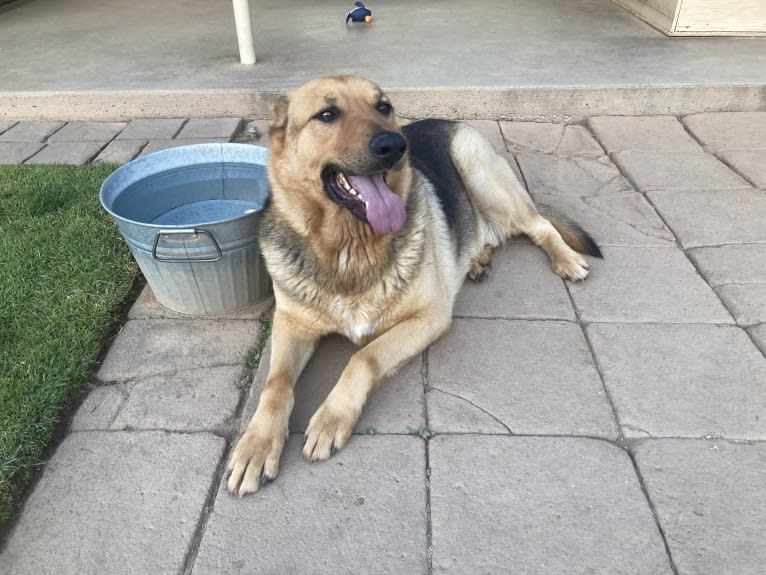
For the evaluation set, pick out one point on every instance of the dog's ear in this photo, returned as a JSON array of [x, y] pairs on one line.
[[278, 118]]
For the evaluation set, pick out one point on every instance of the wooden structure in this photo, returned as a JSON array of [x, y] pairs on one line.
[[702, 17]]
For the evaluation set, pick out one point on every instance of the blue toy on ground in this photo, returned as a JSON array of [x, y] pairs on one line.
[[359, 14]]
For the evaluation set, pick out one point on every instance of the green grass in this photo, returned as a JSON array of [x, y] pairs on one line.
[[64, 270], [421, 431], [254, 356]]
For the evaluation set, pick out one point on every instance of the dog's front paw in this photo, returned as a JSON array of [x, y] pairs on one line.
[[255, 460], [328, 431]]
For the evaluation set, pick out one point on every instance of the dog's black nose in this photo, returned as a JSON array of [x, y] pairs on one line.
[[388, 146]]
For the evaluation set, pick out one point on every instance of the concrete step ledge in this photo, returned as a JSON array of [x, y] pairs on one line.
[[540, 103]]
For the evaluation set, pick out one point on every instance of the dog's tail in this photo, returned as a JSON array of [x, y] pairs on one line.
[[574, 236]]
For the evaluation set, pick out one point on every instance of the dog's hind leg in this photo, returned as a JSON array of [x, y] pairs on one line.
[[504, 208], [565, 261], [481, 266]]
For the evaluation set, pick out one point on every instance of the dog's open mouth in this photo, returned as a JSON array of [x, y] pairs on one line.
[[367, 197]]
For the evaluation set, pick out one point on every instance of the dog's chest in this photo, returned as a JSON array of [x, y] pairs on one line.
[[361, 331], [354, 320]]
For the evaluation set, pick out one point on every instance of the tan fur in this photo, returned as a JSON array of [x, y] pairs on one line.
[[506, 207], [392, 294]]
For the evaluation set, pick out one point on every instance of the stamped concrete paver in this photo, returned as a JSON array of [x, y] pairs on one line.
[[151, 129], [738, 274], [6, 125], [747, 303], [99, 409], [120, 151], [751, 164], [30, 131], [683, 380], [115, 503], [710, 502], [526, 136], [759, 336], [642, 133], [578, 141], [531, 377], [196, 400], [197, 128], [583, 183], [614, 219], [88, 132], [651, 284], [714, 217], [522, 286], [452, 412], [539, 505], [658, 171], [156, 347], [579, 176], [657, 153], [60, 152], [363, 511], [729, 130], [17, 152], [741, 264]]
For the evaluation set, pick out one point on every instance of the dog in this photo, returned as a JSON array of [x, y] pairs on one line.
[[369, 232]]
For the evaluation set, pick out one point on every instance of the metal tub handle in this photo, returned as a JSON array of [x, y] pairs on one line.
[[195, 233]]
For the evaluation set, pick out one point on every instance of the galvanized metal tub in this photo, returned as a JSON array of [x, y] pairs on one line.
[[190, 216]]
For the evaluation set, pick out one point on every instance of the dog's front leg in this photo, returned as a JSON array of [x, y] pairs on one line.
[[332, 424], [255, 460]]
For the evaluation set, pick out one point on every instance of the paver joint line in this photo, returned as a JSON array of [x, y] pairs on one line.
[[652, 508], [594, 358], [199, 531], [217, 479]]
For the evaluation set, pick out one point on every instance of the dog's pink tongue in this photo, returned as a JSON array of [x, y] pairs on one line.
[[385, 210]]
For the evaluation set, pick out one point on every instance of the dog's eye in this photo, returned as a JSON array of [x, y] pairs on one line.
[[328, 115], [384, 108]]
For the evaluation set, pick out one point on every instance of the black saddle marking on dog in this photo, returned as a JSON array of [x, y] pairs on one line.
[[428, 142]]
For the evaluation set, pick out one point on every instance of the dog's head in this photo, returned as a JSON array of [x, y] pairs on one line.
[[336, 149]]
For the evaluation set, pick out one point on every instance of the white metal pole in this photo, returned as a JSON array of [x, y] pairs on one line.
[[244, 31]]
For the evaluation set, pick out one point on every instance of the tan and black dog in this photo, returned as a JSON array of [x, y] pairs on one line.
[[369, 232]]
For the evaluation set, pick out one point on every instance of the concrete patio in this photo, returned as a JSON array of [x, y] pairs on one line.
[[612, 426], [528, 59]]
